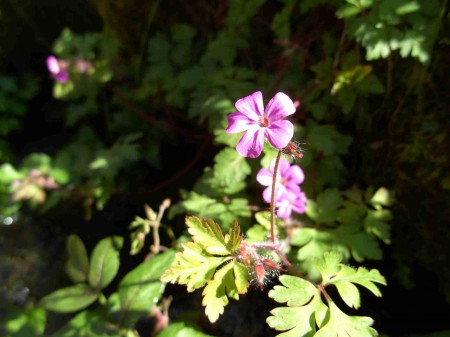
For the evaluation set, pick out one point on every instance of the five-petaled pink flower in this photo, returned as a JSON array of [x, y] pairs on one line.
[[58, 69], [288, 195], [259, 123]]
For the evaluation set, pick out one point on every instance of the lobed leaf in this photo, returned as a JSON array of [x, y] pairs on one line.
[[208, 234], [342, 325], [305, 310], [192, 267], [344, 278]]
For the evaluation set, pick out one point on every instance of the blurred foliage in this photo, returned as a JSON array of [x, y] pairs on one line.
[[145, 108]]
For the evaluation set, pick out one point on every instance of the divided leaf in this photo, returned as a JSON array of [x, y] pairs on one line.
[[208, 234], [305, 310], [306, 314], [345, 278], [210, 261], [342, 325]]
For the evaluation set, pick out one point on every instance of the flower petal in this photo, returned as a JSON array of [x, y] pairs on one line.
[[295, 175], [284, 210], [238, 122], [251, 143], [252, 106], [264, 177], [53, 64], [283, 168], [280, 133], [279, 107], [62, 76]]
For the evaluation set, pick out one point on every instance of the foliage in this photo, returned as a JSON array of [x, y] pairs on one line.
[[143, 113]]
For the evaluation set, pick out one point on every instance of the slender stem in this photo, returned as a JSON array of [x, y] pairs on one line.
[[272, 199]]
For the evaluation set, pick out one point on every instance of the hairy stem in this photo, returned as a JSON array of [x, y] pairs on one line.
[[272, 199]]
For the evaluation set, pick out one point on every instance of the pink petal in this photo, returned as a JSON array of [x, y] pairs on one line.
[[62, 76], [264, 177], [251, 143], [252, 106], [299, 205], [279, 107], [284, 209], [238, 122], [53, 64], [280, 133], [295, 175], [283, 168]]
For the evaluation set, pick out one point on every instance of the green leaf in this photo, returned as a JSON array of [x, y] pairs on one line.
[[69, 299], [325, 208], [105, 262], [179, 329], [229, 172], [29, 321], [77, 266], [376, 223], [344, 278], [341, 325], [229, 281], [88, 324], [141, 288], [193, 267], [305, 308], [207, 233], [210, 260]]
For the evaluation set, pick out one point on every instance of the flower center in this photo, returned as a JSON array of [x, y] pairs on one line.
[[263, 122]]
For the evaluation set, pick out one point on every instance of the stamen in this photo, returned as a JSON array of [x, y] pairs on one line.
[[263, 122]]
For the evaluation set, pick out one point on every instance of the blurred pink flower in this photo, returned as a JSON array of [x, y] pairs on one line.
[[259, 123], [58, 69], [289, 179], [288, 194], [291, 202]]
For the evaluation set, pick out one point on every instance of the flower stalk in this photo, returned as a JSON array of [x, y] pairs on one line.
[[272, 200]]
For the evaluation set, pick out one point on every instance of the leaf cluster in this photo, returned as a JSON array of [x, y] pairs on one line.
[[209, 261], [308, 314]]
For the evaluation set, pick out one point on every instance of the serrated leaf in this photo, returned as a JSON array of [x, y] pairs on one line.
[[192, 267], [141, 288], [342, 325], [229, 172], [105, 262], [305, 308], [224, 285], [77, 266], [70, 299], [233, 238], [210, 260], [208, 234]]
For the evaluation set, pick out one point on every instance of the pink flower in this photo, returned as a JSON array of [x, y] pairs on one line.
[[259, 123], [291, 202], [289, 179], [58, 69], [288, 195]]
